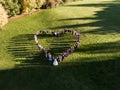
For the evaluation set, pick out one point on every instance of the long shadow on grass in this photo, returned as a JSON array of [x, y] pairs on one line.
[[94, 75], [106, 4], [24, 50], [26, 53], [100, 48], [108, 19], [102, 75]]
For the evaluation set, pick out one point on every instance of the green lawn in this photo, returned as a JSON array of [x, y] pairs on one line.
[[94, 65]]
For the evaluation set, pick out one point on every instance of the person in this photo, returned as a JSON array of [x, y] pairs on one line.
[[59, 58], [55, 62], [43, 32], [39, 46], [37, 33], [49, 56], [78, 43], [68, 52], [58, 34], [72, 48], [61, 32], [44, 51], [64, 55], [69, 31], [54, 33], [65, 30], [36, 40], [75, 46], [73, 32]]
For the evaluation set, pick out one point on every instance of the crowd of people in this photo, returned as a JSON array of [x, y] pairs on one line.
[[61, 57]]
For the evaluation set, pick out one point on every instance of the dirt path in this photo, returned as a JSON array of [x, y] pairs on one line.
[[23, 14]]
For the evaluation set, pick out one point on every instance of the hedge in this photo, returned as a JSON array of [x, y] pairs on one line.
[[15, 7]]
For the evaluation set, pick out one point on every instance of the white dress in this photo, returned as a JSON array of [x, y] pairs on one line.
[[55, 62]]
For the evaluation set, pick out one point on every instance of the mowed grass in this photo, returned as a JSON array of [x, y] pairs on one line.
[[93, 66]]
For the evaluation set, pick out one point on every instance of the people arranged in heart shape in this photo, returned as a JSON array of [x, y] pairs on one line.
[[61, 57]]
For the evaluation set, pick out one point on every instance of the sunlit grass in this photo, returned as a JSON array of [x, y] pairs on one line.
[[93, 66], [74, 15]]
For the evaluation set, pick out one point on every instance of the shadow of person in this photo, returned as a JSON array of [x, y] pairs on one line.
[[25, 52]]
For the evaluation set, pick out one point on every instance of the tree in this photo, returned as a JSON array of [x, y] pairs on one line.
[[3, 17]]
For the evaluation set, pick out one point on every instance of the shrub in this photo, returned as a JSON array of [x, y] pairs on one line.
[[3, 16], [69, 0], [52, 3], [27, 5], [39, 3], [11, 6], [59, 2], [30, 5]]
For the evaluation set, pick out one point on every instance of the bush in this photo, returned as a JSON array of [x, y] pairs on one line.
[[3, 16], [27, 5], [39, 3], [52, 3], [59, 2], [11, 6], [69, 0], [30, 5], [15, 7]]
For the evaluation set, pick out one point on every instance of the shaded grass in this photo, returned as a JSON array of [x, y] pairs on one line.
[[93, 66], [85, 76], [57, 45]]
